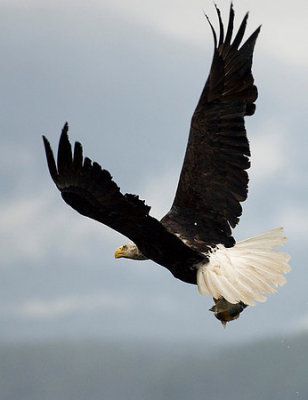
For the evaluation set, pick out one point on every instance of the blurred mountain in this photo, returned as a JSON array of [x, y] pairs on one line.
[[267, 370]]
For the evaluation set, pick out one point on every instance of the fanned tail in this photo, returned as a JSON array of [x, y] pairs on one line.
[[246, 272]]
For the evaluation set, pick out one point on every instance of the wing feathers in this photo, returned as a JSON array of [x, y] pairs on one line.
[[65, 152], [239, 36], [91, 191], [213, 179], [50, 160], [221, 26], [77, 177], [230, 26], [213, 30], [78, 157]]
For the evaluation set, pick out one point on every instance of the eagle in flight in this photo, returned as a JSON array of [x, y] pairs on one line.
[[194, 239]]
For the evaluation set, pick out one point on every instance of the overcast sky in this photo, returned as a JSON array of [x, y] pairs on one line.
[[127, 76]]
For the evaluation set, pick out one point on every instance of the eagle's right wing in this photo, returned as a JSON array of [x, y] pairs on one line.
[[214, 180]]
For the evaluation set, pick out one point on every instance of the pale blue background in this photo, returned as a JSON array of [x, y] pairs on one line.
[[127, 78]]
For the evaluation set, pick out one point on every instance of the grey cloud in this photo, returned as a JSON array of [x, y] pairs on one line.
[[128, 92]]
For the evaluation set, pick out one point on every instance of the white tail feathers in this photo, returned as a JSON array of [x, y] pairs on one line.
[[246, 271]]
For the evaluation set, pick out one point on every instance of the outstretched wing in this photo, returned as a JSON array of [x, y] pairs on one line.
[[90, 190], [213, 179]]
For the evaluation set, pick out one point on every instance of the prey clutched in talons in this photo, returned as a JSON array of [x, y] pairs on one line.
[[225, 311]]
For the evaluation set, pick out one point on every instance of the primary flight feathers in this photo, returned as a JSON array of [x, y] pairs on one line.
[[194, 239]]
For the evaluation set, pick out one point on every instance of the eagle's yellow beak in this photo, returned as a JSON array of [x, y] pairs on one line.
[[118, 253]]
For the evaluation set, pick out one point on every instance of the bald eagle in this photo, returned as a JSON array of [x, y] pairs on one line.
[[194, 239]]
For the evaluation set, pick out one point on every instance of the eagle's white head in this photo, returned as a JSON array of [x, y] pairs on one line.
[[129, 250]]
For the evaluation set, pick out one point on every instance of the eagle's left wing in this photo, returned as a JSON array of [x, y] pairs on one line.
[[90, 190]]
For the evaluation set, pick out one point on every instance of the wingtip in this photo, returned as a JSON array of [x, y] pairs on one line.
[[212, 28], [64, 139], [221, 26], [64, 159], [257, 31], [230, 25], [45, 141], [251, 41], [241, 31], [50, 159], [65, 128]]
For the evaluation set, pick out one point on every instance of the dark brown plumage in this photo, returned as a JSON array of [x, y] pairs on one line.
[[213, 180]]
